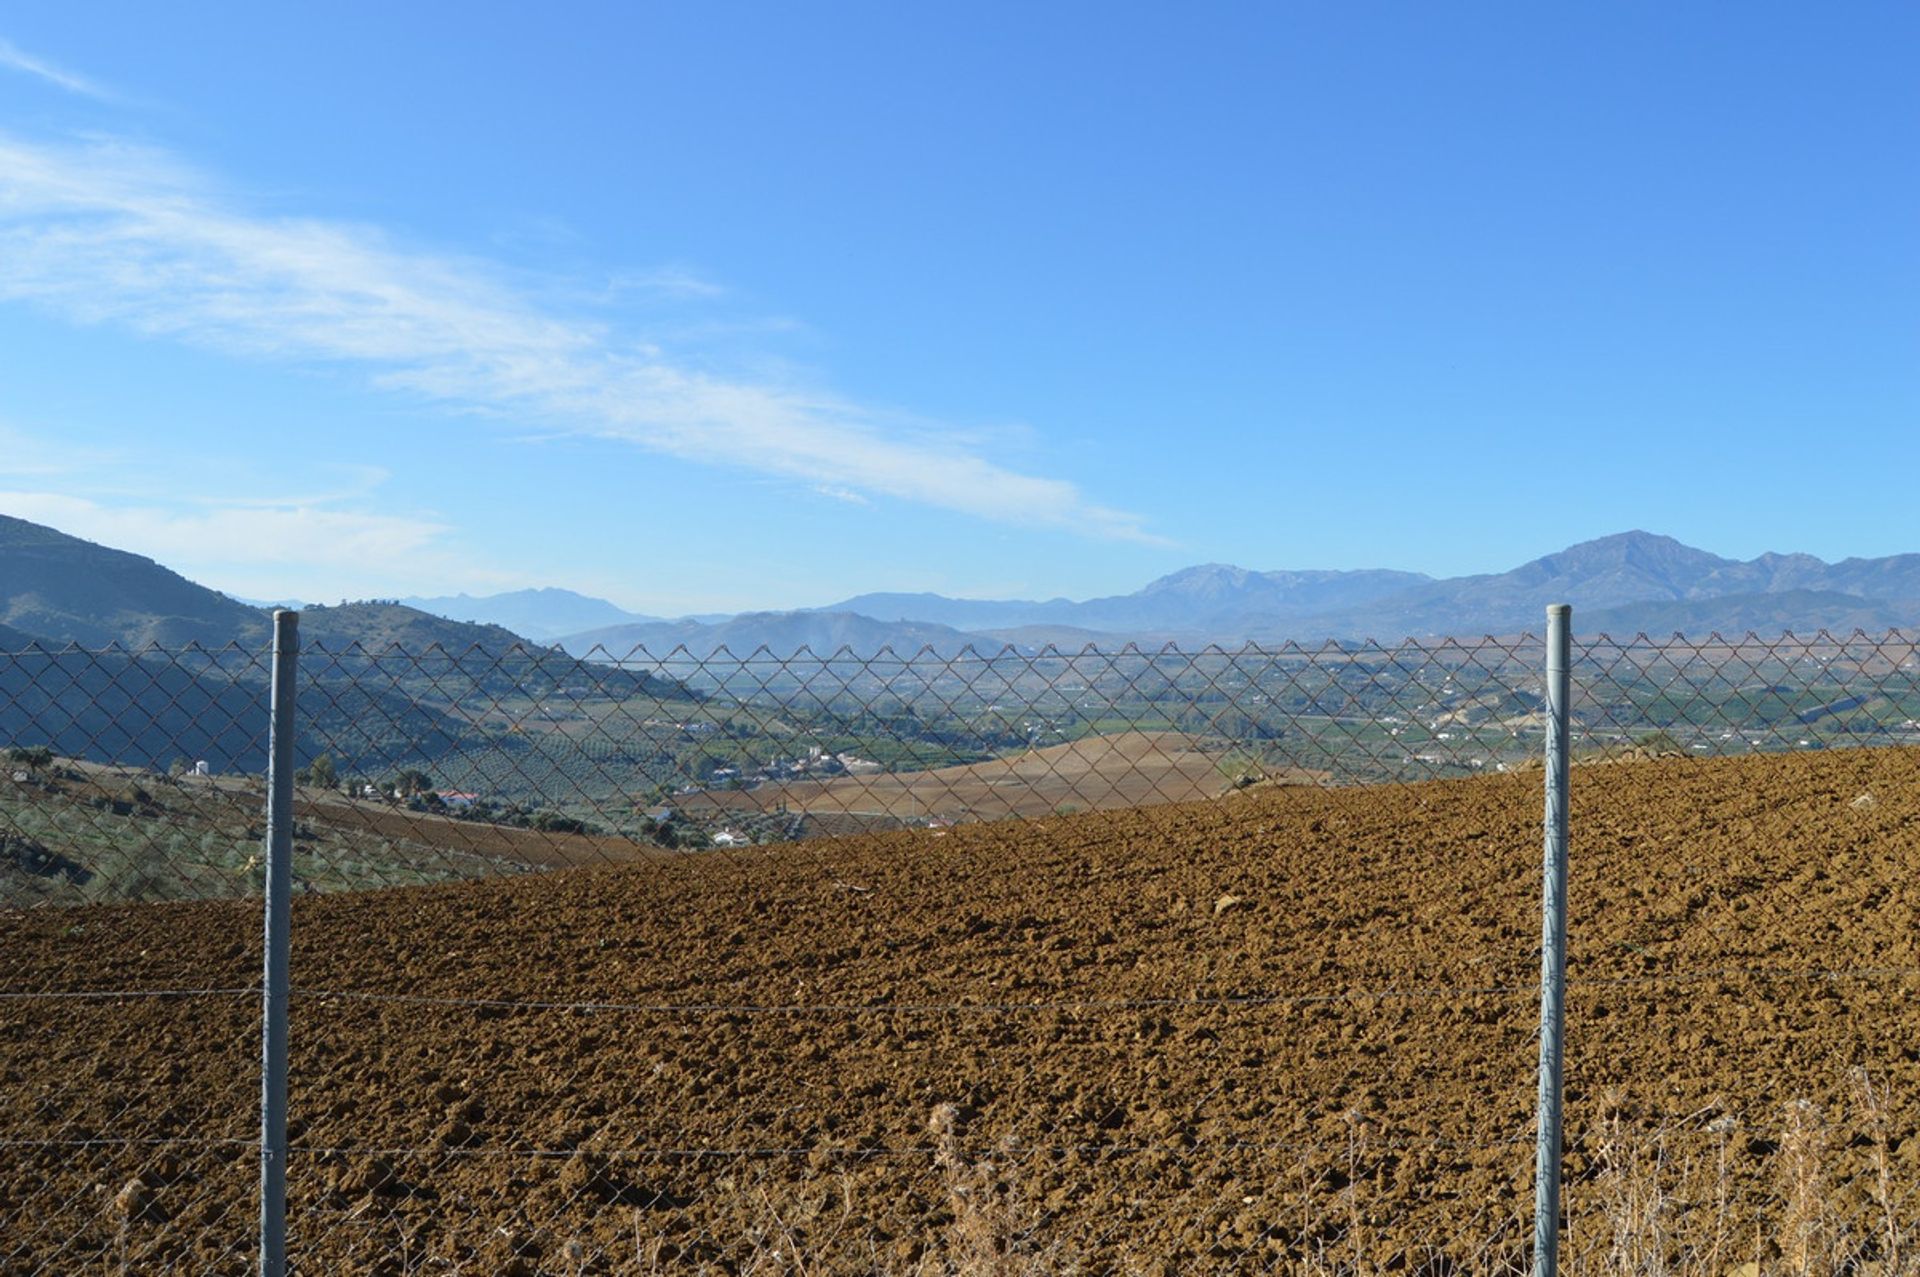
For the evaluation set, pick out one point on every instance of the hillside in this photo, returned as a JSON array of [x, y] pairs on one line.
[[62, 589], [1289, 1031], [377, 625], [453, 667], [1061, 638], [143, 710], [392, 685], [12, 640]]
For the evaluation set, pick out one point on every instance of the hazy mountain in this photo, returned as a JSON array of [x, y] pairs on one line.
[[1895, 577], [65, 590], [961, 614], [1614, 572], [1193, 601], [1065, 638], [1651, 566], [782, 633], [1628, 582], [544, 614], [1733, 615], [1217, 598]]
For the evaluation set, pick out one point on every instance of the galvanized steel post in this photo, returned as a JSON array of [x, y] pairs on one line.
[[1553, 950], [279, 910]]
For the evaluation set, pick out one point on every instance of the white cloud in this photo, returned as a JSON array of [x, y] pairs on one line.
[[256, 534], [107, 233], [262, 550], [847, 495], [356, 481], [15, 59], [666, 281]]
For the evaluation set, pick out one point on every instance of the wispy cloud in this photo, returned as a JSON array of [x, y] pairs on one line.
[[257, 534], [318, 542], [15, 59], [24, 455], [665, 281], [265, 550], [104, 232], [357, 481]]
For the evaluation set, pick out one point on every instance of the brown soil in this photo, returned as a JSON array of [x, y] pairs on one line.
[[1283, 1029]]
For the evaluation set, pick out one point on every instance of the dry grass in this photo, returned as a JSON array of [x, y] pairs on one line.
[[1669, 1203], [1665, 1202], [993, 1231]]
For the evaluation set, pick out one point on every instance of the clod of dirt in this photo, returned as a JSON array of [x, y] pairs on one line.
[[1865, 802], [364, 1179], [135, 1201], [1226, 903]]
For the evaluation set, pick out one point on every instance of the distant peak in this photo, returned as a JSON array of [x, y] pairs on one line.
[[1202, 572], [1636, 537], [1635, 546]]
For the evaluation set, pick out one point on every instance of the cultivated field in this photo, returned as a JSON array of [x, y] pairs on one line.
[[1100, 773], [1291, 1029]]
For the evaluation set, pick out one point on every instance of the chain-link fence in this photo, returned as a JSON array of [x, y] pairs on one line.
[[1148, 961]]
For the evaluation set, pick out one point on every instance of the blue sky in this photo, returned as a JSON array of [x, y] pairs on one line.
[[703, 307]]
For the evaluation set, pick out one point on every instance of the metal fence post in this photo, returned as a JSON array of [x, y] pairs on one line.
[[273, 1038], [1553, 950]]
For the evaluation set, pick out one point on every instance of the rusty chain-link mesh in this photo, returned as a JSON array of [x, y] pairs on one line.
[[1146, 961]]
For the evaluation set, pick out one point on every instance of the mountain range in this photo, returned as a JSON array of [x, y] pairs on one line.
[[1218, 592], [1627, 582], [58, 589]]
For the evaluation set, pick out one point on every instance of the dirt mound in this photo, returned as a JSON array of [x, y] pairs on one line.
[[1047, 1040]]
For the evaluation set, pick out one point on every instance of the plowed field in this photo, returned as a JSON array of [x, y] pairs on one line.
[[1289, 1029]]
